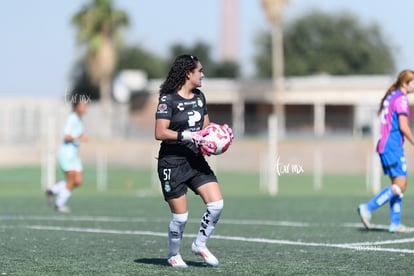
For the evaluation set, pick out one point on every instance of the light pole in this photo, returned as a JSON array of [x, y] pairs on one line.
[[273, 10], [276, 122]]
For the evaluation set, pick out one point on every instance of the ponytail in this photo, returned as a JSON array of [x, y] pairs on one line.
[[404, 77], [393, 87]]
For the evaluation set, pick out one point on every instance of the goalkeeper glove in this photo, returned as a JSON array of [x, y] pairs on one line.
[[230, 131], [207, 148], [196, 137]]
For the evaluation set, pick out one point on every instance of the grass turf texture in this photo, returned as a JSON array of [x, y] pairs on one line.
[[122, 231]]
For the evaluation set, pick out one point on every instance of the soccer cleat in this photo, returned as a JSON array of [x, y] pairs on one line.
[[205, 253], [365, 215], [62, 209], [397, 228], [177, 261], [50, 196]]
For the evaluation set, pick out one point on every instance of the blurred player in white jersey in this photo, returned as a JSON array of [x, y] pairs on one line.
[[68, 158]]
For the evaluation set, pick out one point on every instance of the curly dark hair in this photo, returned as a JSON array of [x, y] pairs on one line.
[[176, 78]]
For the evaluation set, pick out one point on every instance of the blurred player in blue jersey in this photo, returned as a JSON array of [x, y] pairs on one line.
[[68, 158], [181, 118], [394, 114]]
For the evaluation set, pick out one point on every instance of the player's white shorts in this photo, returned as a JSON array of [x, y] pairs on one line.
[[69, 161]]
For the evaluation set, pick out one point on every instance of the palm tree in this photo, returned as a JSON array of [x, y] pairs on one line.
[[98, 26]]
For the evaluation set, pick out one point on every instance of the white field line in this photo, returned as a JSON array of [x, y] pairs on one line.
[[408, 240], [367, 246], [222, 221], [374, 226], [126, 219], [263, 222]]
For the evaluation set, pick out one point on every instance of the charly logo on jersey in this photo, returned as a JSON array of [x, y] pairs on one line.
[[180, 106], [199, 102]]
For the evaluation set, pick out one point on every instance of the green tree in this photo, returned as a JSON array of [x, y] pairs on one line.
[[98, 26], [134, 57], [82, 82], [200, 49], [337, 44], [212, 69], [225, 69]]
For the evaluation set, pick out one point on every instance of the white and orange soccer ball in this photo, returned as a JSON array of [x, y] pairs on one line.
[[218, 137]]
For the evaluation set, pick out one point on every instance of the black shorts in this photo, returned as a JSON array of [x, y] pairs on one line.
[[177, 173]]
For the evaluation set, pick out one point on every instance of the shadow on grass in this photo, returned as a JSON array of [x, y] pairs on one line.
[[373, 229], [163, 262]]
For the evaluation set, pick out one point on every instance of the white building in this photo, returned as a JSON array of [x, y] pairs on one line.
[[314, 105]]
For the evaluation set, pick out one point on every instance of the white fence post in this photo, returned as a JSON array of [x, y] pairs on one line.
[[101, 171], [49, 158], [273, 185], [376, 170]]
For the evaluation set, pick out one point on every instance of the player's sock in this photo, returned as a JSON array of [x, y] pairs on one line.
[[175, 232], [209, 221], [58, 187], [380, 199], [63, 197], [395, 210]]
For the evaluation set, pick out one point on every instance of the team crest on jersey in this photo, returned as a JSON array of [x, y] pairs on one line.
[[162, 108], [199, 102], [167, 187]]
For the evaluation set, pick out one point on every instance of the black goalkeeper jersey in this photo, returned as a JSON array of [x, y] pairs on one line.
[[184, 114]]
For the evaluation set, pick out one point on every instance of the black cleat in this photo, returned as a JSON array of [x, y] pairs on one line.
[[50, 196]]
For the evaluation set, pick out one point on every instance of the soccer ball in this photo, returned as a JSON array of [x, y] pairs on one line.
[[219, 137]]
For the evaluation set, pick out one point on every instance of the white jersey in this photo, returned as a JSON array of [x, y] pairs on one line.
[[73, 127]]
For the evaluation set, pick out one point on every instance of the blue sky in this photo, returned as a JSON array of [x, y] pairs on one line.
[[38, 45]]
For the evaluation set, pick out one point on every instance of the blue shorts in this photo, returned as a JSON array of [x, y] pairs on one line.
[[394, 163]]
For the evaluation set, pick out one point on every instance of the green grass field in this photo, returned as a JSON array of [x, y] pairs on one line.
[[122, 231]]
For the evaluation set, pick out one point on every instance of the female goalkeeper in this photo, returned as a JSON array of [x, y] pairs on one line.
[[394, 113], [181, 117]]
